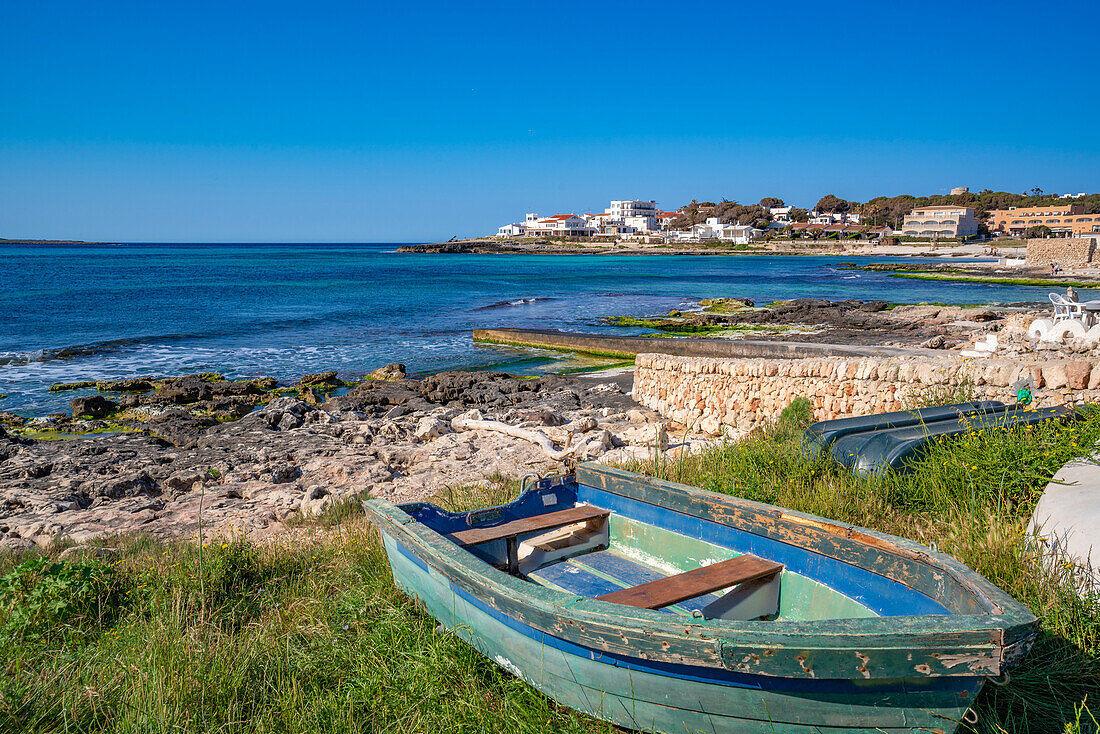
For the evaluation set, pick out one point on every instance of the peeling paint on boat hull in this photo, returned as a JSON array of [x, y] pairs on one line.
[[652, 697]]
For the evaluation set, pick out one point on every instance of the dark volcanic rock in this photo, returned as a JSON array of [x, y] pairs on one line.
[[184, 390], [493, 389], [393, 371], [284, 474], [367, 396], [128, 485], [135, 384], [93, 406], [179, 427], [11, 419], [322, 379]]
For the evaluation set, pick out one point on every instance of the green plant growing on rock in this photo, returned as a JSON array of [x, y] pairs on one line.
[[963, 390]]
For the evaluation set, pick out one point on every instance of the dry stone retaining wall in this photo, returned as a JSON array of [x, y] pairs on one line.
[[1066, 251], [712, 394]]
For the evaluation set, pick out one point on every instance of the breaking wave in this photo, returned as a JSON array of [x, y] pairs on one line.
[[517, 302]]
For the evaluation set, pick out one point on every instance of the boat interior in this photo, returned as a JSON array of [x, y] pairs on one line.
[[592, 543]]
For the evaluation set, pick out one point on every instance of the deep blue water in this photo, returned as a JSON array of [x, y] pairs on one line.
[[81, 312]]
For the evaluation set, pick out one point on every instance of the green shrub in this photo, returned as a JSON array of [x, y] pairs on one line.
[[797, 415], [43, 598]]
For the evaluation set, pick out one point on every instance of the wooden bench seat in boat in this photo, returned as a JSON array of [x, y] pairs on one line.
[[671, 590], [510, 531], [606, 572]]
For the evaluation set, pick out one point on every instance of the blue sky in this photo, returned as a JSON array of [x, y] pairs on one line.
[[320, 121]]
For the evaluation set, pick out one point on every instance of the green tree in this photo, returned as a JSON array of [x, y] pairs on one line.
[[799, 215], [1039, 230], [833, 203], [771, 201]]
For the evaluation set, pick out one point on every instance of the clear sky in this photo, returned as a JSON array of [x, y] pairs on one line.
[[411, 121]]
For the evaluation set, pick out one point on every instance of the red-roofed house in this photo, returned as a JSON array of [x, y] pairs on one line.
[[663, 218], [562, 225]]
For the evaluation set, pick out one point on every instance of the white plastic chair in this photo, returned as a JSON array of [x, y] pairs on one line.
[[1067, 309]]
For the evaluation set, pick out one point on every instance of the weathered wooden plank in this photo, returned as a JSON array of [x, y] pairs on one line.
[[631, 573], [548, 521], [885, 596], [690, 584], [955, 645]]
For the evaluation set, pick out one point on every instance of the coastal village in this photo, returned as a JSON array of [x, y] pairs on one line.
[[643, 221]]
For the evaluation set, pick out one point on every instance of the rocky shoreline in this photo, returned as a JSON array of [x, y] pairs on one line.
[[244, 456], [157, 454], [848, 322]]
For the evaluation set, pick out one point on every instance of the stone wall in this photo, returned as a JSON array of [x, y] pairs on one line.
[[1066, 251], [714, 394]]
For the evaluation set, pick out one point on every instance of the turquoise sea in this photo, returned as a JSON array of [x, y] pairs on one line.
[[108, 311]]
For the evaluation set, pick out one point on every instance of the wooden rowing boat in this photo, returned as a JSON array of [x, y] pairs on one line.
[[663, 607]]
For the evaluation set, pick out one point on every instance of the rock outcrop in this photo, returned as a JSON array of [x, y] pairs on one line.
[[292, 456]]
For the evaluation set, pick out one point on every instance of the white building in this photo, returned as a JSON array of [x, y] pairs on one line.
[[714, 229], [709, 230], [512, 230], [561, 225], [665, 218], [780, 213], [640, 224], [738, 234], [834, 217], [620, 211]]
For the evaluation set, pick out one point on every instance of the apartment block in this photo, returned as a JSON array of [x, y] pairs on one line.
[[1065, 219], [940, 221]]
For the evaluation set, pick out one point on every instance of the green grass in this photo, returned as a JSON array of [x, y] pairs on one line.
[[61, 387], [676, 326], [309, 634], [1044, 282], [724, 306], [972, 497]]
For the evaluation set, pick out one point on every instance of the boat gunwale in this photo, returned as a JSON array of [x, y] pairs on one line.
[[992, 599], [914, 646]]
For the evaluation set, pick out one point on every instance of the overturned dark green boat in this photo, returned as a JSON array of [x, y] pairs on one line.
[[667, 608]]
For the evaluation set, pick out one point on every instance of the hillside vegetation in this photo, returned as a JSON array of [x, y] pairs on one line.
[[879, 210]]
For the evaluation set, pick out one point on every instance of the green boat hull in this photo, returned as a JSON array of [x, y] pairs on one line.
[[673, 700]]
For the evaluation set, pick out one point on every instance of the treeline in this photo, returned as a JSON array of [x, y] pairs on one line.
[[881, 210], [891, 210], [730, 212]]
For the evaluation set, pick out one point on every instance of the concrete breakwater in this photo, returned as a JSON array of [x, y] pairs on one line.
[[740, 394], [629, 346]]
